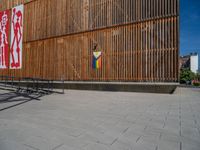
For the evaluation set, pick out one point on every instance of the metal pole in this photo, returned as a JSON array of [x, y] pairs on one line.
[[19, 85], [63, 82]]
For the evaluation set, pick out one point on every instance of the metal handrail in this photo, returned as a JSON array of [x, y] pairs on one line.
[[35, 85]]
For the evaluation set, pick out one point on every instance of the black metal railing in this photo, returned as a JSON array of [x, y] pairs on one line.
[[29, 85]]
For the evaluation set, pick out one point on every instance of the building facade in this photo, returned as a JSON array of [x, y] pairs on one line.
[[190, 61], [194, 63], [132, 40]]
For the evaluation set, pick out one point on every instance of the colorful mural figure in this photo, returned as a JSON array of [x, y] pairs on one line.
[[97, 60], [16, 37], [4, 29]]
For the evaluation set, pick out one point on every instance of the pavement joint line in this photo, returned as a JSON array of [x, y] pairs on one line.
[[125, 130], [138, 139], [180, 145], [160, 136], [75, 136], [164, 125], [58, 146], [99, 142], [31, 147], [114, 141]]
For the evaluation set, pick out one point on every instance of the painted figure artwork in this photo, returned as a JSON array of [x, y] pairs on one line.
[[16, 37], [4, 47], [97, 60]]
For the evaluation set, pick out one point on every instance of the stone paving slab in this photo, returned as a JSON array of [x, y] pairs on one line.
[[91, 120]]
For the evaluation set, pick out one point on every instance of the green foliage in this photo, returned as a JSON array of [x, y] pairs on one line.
[[196, 84], [186, 75], [198, 76]]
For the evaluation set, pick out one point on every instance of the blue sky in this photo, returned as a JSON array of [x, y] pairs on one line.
[[189, 26]]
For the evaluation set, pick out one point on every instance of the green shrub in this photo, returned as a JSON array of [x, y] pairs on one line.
[[196, 83], [186, 75]]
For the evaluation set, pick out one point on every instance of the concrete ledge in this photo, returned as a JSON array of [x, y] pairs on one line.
[[123, 87], [144, 87]]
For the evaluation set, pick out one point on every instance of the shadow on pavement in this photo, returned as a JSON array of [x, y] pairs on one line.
[[14, 97]]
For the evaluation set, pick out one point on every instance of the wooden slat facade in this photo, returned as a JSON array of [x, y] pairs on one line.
[[139, 39]]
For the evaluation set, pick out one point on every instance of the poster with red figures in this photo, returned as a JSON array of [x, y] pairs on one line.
[[16, 37], [4, 47]]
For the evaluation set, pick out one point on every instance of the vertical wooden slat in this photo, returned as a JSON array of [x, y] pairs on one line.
[[139, 39]]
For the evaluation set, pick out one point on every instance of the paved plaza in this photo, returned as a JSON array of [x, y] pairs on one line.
[[91, 120]]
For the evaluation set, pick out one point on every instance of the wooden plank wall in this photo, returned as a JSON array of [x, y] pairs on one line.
[[139, 39]]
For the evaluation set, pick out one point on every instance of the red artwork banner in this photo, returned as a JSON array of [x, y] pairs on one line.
[[16, 37], [4, 47]]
